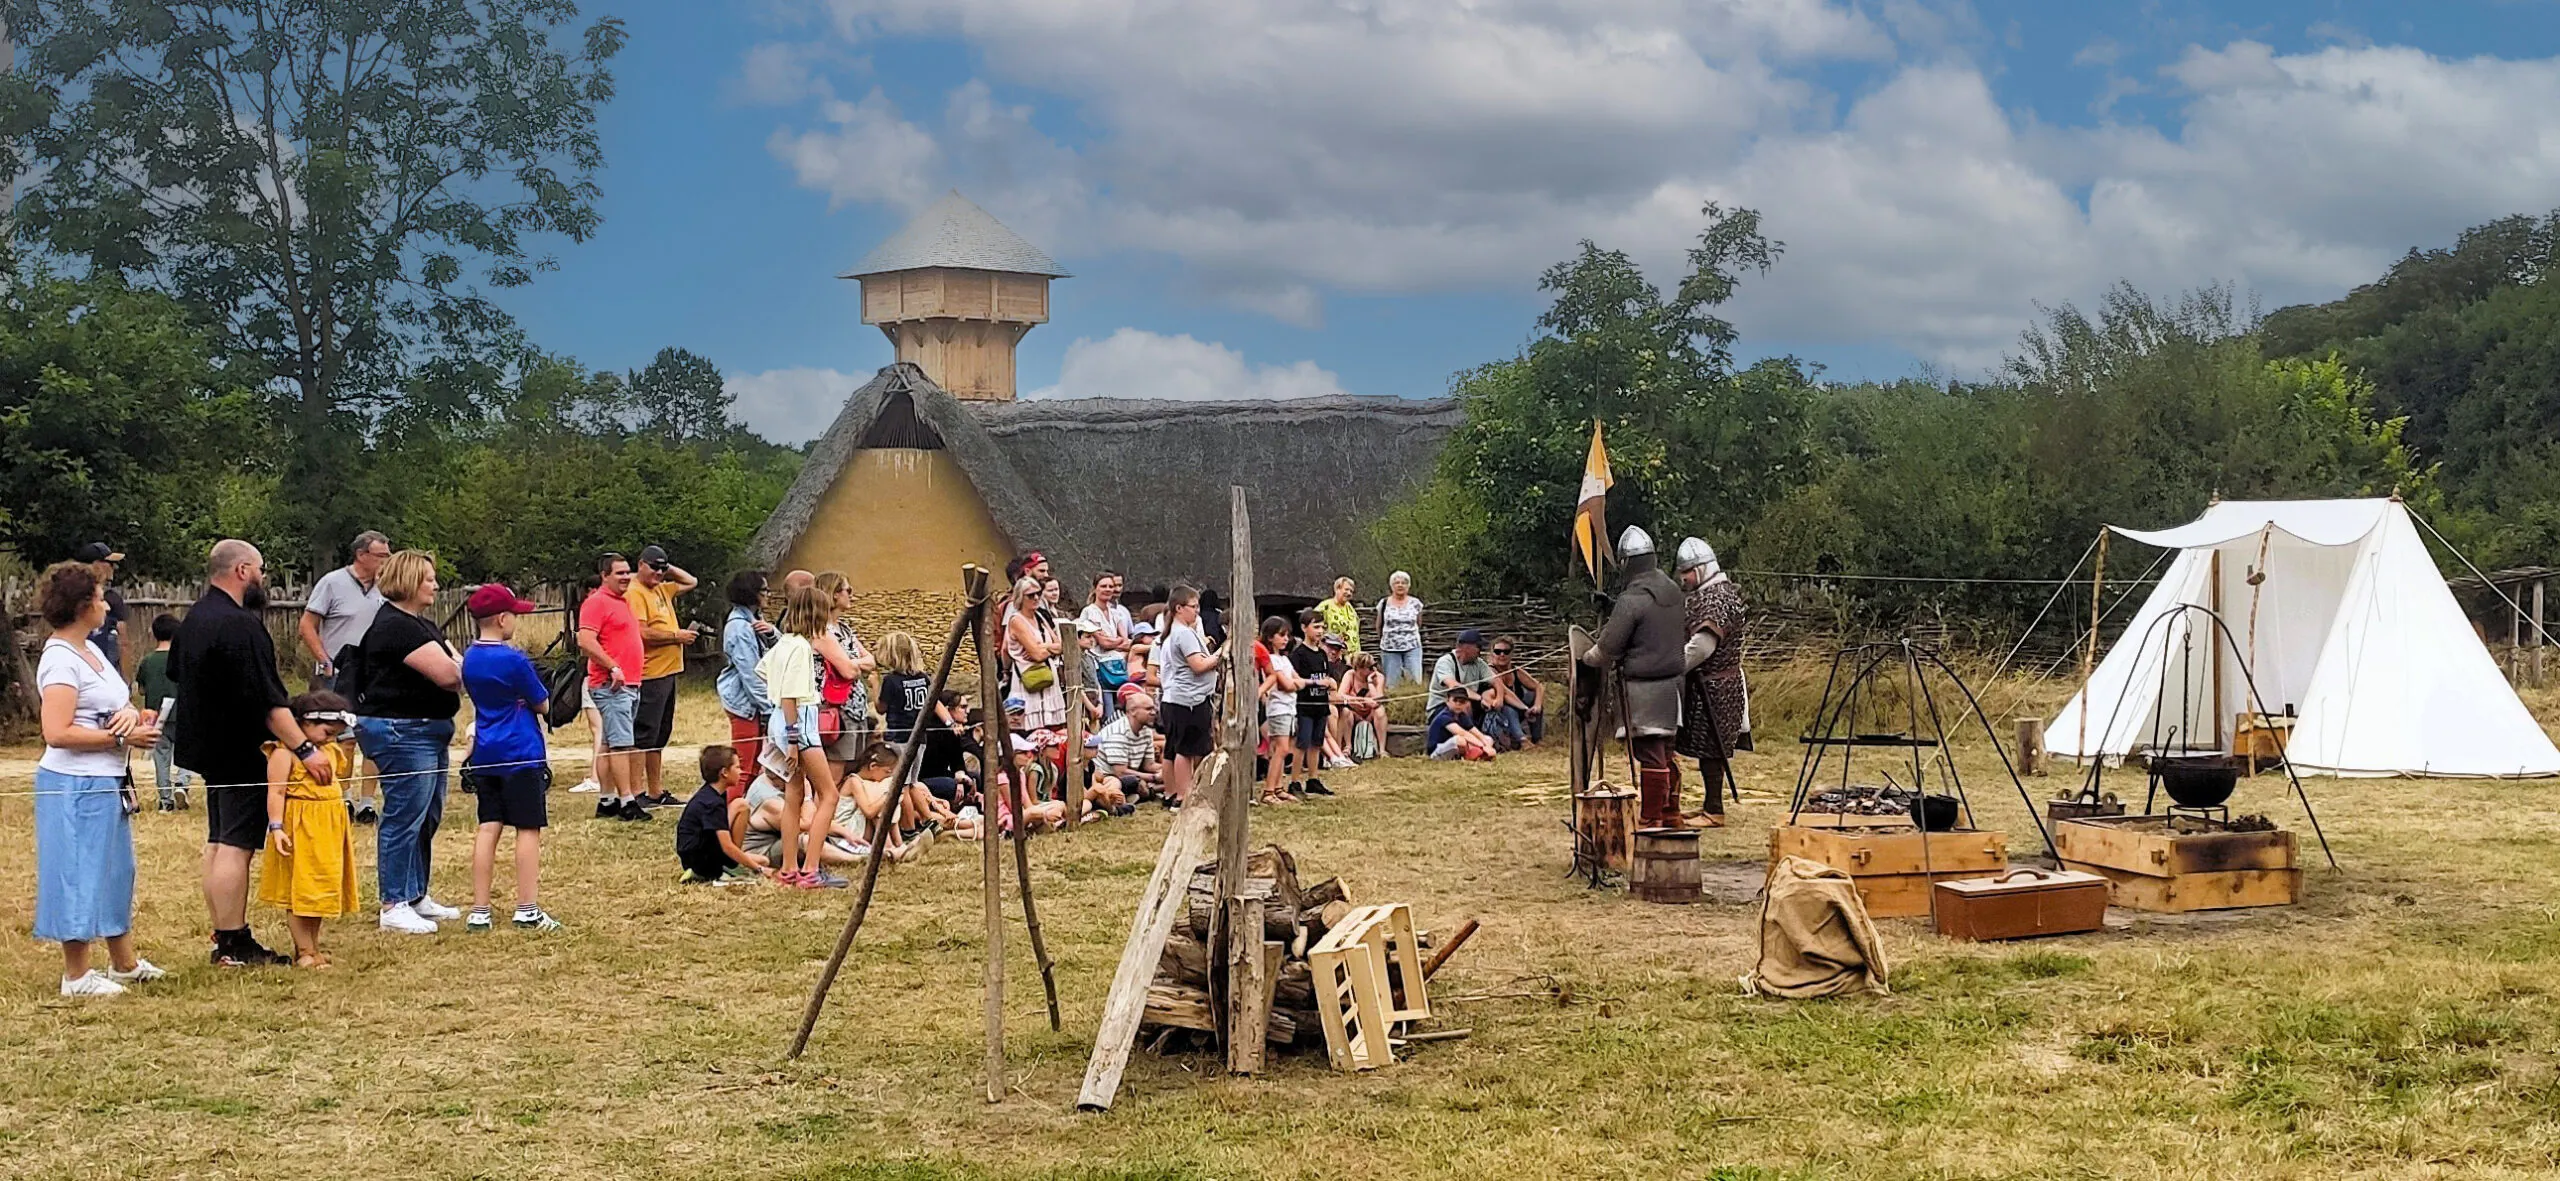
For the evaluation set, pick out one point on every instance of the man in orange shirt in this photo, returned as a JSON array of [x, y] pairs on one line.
[[655, 583]]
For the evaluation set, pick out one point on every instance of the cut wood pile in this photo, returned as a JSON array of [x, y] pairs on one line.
[[1293, 915]]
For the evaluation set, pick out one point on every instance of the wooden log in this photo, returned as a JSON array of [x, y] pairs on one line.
[[1294, 986], [1159, 908], [1440, 955], [1250, 975], [2031, 746], [1186, 958], [1278, 922], [1179, 1007], [995, 742], [1317, 896]]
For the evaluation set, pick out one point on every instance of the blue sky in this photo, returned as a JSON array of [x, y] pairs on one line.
[[1264, 198]]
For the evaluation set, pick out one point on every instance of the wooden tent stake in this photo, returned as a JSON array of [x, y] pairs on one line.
[[974, 581], [995, 736]]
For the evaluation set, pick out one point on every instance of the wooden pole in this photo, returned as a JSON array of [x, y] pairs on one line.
[[2213, 642], [995, 758], [2515, 644], [1234, 798], [1440, 955], [2089, 654], [974, 583], [1071, 675], [1020, 793], [2031, 746], [2538, 653]]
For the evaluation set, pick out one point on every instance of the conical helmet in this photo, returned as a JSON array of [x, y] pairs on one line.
[[1634, 543], [1696, 553]]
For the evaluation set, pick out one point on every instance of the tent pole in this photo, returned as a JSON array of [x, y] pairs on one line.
[[2089, 653], [2257, 586], [2215, 651]]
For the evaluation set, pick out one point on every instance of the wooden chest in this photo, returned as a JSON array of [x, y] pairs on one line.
[[2154, 868], [1894, 867], [2022, 904]]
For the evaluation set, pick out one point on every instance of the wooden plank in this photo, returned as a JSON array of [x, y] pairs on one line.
[[1248, 985], [2222, 890], [1159, 907], [993, 739], [2137, 845]]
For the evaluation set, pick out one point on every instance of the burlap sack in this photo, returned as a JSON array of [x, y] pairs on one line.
[[1815, 939]]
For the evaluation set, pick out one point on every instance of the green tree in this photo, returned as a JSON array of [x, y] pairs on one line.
[[331, 181], [114, 420], [682, 399]]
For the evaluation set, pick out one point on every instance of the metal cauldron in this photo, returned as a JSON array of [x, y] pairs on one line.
[[2197, 780]]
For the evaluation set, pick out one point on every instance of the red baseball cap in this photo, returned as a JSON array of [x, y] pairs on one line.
[[495, 599]]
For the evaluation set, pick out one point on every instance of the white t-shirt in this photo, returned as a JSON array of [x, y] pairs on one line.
[[1183, 685], [1114, 622], [102, 692], [345, 608]]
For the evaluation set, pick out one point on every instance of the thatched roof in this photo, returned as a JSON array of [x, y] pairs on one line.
[[897, 400], [1141, 485]]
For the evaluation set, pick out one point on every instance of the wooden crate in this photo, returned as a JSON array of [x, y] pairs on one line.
[[2149, 867], [2022, 904], [1388, 927], [1368, 976], [1893, 867]]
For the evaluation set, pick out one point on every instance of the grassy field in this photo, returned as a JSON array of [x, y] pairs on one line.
[[2398, 1024]]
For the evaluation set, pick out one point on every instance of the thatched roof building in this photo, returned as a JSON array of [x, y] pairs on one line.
[[910, 482]]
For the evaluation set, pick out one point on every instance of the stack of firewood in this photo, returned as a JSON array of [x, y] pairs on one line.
[[1294, 916]]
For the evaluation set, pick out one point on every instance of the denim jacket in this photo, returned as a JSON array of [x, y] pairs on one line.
[[741, 690]]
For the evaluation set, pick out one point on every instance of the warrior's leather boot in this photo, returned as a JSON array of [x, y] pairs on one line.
[[1654, 788], [1712, 771], [1672, 816]]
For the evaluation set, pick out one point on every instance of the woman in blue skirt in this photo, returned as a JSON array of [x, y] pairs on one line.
[[84, 792]]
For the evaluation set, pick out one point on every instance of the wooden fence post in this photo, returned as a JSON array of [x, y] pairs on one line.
[[1071, 768], [995, 745], [1234, 792]]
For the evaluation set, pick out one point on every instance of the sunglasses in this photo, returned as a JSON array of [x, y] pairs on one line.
[[1502, 651]]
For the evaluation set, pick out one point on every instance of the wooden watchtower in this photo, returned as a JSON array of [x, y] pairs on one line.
[[955, 291]]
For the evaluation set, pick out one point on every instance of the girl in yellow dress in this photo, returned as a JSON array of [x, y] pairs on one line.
[[311, 855]]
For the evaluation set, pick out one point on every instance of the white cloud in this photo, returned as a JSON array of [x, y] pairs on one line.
[[1134, 363], [1281, 150], [789, 405]]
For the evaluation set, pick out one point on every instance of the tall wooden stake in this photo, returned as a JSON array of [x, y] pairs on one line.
[[2089, 655], [1071, 675], [1235, 794], [1021, 795], [974, 581], [995, 748]]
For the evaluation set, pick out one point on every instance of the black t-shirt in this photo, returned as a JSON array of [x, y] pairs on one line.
[[389, 688], [1314, 700], [224, 663], [902, 697], [110, 635], [945, 752], [698, 830]]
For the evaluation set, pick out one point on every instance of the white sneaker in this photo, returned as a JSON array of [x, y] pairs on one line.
[[587, 787], [428, 908], [92, 983], [1338, 763], [144, 972], [406, 920]]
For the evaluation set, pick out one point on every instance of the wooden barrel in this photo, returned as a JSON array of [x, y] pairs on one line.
[[1604, 829], [1665, 865]]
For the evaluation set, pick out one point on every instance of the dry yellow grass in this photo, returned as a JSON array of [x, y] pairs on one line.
[[2398, 1024]]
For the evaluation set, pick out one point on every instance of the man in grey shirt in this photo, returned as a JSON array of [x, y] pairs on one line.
[[340, 609]]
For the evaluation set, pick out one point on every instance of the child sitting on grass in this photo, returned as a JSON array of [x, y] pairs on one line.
[[509, 764], [311, 849], [710, 832]]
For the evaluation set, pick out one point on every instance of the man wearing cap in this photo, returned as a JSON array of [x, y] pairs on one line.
[[655, 583], [109, 637], [1644, 640], [1715, 705], [234, 704], [334, 619], [1462, 668]]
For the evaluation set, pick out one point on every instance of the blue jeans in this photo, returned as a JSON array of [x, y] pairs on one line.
[[1401, 667], [164, 769], [412, 755]]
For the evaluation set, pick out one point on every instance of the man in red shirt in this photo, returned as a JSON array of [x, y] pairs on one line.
[[609, 634]]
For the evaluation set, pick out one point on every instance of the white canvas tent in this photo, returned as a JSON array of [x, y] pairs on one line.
[[2352, 628]]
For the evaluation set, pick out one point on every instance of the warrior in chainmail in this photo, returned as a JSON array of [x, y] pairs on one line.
[[1715, 706], [1644, 640]]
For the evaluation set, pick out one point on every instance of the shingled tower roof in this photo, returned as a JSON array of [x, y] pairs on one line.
[[954, 232]]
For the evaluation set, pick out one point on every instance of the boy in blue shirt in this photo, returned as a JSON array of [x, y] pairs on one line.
[[509, 762]]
